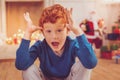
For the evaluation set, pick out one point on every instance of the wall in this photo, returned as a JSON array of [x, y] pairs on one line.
[[82, 8], [14, 13], [0, 16]]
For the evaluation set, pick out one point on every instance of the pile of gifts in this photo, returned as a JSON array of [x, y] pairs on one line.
[[108, 52]]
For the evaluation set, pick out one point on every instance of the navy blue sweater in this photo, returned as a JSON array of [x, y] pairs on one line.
[[51, 64]]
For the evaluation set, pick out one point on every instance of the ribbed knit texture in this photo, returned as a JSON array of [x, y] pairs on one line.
[[51, 64]]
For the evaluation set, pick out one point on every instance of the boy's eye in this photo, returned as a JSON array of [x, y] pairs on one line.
[[59, 30], [48, 31]]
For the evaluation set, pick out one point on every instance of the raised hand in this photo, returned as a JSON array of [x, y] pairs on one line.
[[27, 18], [76, 30], [30, 27], [69, 18]]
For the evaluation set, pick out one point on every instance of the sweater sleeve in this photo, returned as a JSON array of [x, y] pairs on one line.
[[85, 52], [25, 56]]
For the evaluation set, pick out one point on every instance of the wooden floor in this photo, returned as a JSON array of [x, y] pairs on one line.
[[105, 70]]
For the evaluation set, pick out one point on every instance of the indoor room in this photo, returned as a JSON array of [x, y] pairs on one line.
[[98, 19]]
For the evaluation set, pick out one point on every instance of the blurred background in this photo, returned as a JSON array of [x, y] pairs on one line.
[[104, 15]]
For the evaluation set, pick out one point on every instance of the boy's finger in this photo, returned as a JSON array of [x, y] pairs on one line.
[[71, 10], [39, 28]]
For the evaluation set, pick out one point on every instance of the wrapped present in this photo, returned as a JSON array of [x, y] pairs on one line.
[[112, 36], [114, 47], [106, 55], [103, 49]]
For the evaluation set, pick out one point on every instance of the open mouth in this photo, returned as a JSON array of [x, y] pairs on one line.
[[55, 44]]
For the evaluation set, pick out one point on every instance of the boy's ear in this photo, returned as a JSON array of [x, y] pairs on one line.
[[67, 25], [68, 31], [41, 30]]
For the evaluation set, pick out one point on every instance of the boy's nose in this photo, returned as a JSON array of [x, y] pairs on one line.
[[54, 35]]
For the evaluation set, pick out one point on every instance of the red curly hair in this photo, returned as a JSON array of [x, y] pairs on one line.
[[52, 14]]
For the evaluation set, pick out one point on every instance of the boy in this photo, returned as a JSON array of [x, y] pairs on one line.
[[57, 52]]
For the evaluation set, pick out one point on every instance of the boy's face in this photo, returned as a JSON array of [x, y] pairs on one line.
[[55, 35]]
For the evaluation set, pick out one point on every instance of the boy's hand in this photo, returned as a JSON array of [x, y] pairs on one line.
[[27, 18], [70, 21], [76, 30], [30, 27]]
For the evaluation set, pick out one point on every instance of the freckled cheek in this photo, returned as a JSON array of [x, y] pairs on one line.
[[48, 37], [48, 40], [62, 38]]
